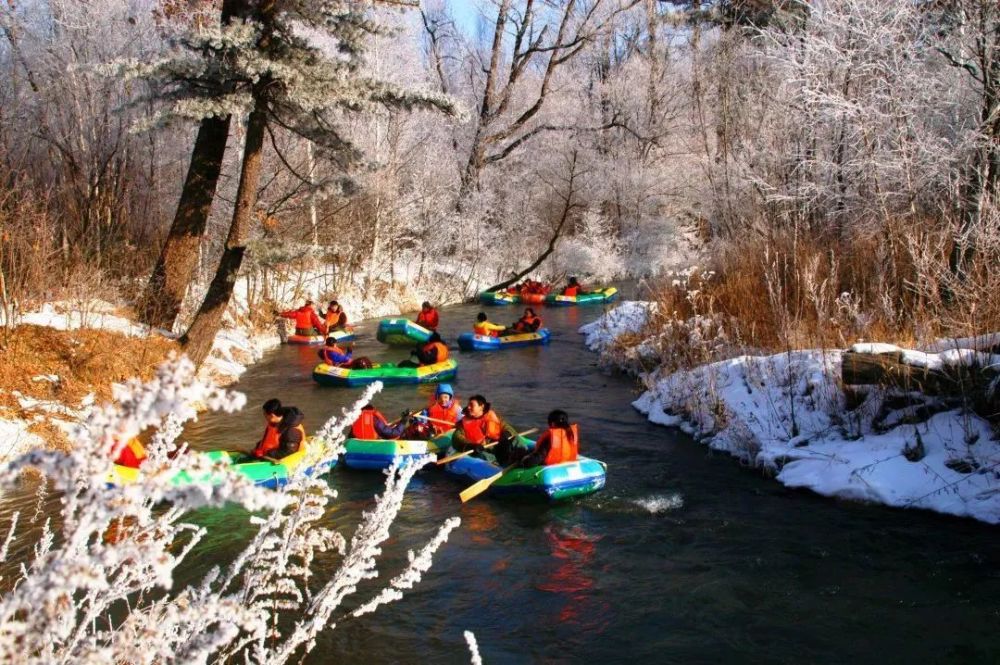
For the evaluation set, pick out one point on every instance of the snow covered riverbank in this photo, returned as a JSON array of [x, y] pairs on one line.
[[30, 416], [788, 413]]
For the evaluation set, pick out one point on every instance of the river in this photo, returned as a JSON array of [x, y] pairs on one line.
[[685, 556]]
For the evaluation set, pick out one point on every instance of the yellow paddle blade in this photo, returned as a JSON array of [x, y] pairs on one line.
[[477, 488]]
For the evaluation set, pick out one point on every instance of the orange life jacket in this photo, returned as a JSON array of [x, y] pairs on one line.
[[527, 323], [570, 290], [563, 448], [269, 443], [335, 320], [364, 426], [448, 413], [487, 426], [442, 350]]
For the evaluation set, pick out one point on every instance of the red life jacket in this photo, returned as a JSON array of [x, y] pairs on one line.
[[449, 413], [428, 319], [570, 290], [364, 426], [269, 442], [562, 447], [133, 454], [487, 426], [442, 350]]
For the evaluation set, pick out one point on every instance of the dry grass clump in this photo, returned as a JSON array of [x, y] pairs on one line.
[[768, 294], [84, 361]]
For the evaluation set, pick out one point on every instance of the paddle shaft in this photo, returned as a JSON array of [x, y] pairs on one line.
[[452, 458]]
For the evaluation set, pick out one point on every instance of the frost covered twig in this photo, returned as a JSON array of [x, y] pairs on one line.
[[99, 585]]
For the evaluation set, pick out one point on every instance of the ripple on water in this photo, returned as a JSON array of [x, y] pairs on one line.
[[660, 503]]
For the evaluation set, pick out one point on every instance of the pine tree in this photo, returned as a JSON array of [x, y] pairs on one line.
[[296, 82]]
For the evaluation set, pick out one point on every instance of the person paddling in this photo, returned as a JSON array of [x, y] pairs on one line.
[[559, 444], [484, 327], [333, 354], [480, 427], [428, 316], [444, 409], [272, 419], [430, 352], [307, 322], [573, 288], [291, 432], [371, 425], [528, 323]]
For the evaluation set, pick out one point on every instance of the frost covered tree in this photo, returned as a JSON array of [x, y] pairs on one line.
[[292, 65], [174, 269]]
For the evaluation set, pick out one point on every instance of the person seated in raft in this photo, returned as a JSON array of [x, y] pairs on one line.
[[336, 319], [333, 354], [371, 425], [432, 351], [428, 316], [307, 322], [444, 409], [483, 431], [291, 433], [560, 443], [272, 420], [573, 288], [528, 323], [484, 327], [132, 454]]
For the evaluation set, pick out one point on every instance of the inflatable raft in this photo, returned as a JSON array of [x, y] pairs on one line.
[[379, 453], [389, 374], [555, 482], [474, 342], [499, 298], [592, 298], [262, 472], [401, 332], [340, 335]]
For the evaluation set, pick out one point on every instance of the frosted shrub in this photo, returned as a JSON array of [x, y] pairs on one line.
[[98, 586]]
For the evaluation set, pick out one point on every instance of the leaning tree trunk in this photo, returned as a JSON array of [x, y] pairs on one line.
[[174, 269], [567, 209], [197, 341]]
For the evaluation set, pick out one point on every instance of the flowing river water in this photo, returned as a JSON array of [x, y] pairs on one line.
[[684, 557]]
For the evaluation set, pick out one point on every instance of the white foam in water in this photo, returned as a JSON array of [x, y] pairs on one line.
[[659, 503]]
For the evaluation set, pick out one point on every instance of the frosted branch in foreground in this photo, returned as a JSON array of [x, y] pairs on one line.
[[97, 583]]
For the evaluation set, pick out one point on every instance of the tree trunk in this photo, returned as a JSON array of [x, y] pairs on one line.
[[568, 206], [174, 269], [161, 303], [198, 340]]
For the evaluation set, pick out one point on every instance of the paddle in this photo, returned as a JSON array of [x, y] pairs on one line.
[[464, 453], [434, 420], [474, 490]]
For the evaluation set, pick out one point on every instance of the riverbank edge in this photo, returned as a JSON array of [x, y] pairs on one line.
[[47, 423], [787, 414]]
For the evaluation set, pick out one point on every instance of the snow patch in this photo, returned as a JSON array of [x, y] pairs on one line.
[[787, 413], [631, 316]]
